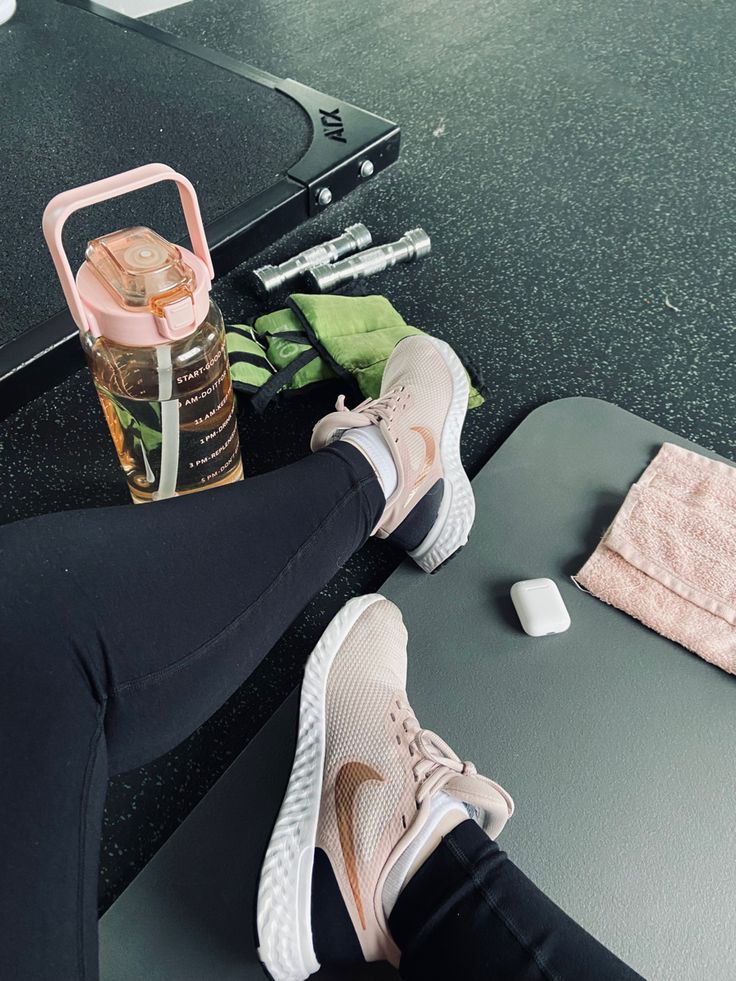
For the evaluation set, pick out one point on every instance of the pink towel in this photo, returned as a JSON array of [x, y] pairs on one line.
[[669, 558]]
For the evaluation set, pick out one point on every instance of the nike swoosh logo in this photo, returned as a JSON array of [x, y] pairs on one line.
[[349, 779], [430, 453]]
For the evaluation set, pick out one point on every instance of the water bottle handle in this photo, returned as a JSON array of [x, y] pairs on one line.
[[63, 205]]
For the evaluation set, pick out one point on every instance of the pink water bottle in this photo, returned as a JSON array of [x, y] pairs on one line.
[[154, 341]]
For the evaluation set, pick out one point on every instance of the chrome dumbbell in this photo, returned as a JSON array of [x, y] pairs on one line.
[[269, 279], [412, 245]]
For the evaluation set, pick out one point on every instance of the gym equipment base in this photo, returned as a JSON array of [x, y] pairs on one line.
[[88, 92], [616, 744]]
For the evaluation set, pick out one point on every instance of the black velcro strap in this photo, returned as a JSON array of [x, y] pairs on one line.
[[242, 332], [242, 357], [276, 382]]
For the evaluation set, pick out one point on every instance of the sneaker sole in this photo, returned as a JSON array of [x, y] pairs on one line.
[[457, 511], [283, 912]]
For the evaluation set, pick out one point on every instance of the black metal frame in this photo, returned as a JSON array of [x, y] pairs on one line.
[[343, 138]]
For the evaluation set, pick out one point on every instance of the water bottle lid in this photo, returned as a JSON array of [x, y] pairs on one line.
[[138, 289], [135, 287], [138, 265]]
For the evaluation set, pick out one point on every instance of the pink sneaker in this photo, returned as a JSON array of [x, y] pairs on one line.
[[420, 413], [366, 788]]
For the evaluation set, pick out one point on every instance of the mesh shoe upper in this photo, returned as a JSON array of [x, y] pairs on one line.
[[416, 393], [380, 772]]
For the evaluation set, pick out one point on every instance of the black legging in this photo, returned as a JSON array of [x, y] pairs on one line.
[[122, 630]]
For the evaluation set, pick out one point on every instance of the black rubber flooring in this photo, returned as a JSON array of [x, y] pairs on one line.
[[573, 161]]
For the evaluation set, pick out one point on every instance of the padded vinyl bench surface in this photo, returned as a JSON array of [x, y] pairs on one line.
[[617, 745]]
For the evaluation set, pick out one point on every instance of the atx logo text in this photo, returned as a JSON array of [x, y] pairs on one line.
[[332, 125]]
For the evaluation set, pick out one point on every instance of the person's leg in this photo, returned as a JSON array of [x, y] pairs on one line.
[[470, 912], [373, 855], [122, 630]]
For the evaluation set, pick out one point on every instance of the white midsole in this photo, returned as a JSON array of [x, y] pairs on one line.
[[284, 892], [457, 511]]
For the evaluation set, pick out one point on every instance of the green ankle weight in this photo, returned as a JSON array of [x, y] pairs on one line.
[[315, 338]]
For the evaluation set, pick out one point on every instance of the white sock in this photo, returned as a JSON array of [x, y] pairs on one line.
[[443, 809], [374, 447]]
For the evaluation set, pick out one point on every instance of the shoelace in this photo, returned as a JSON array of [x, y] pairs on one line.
[[378, 410], [438, 763]]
